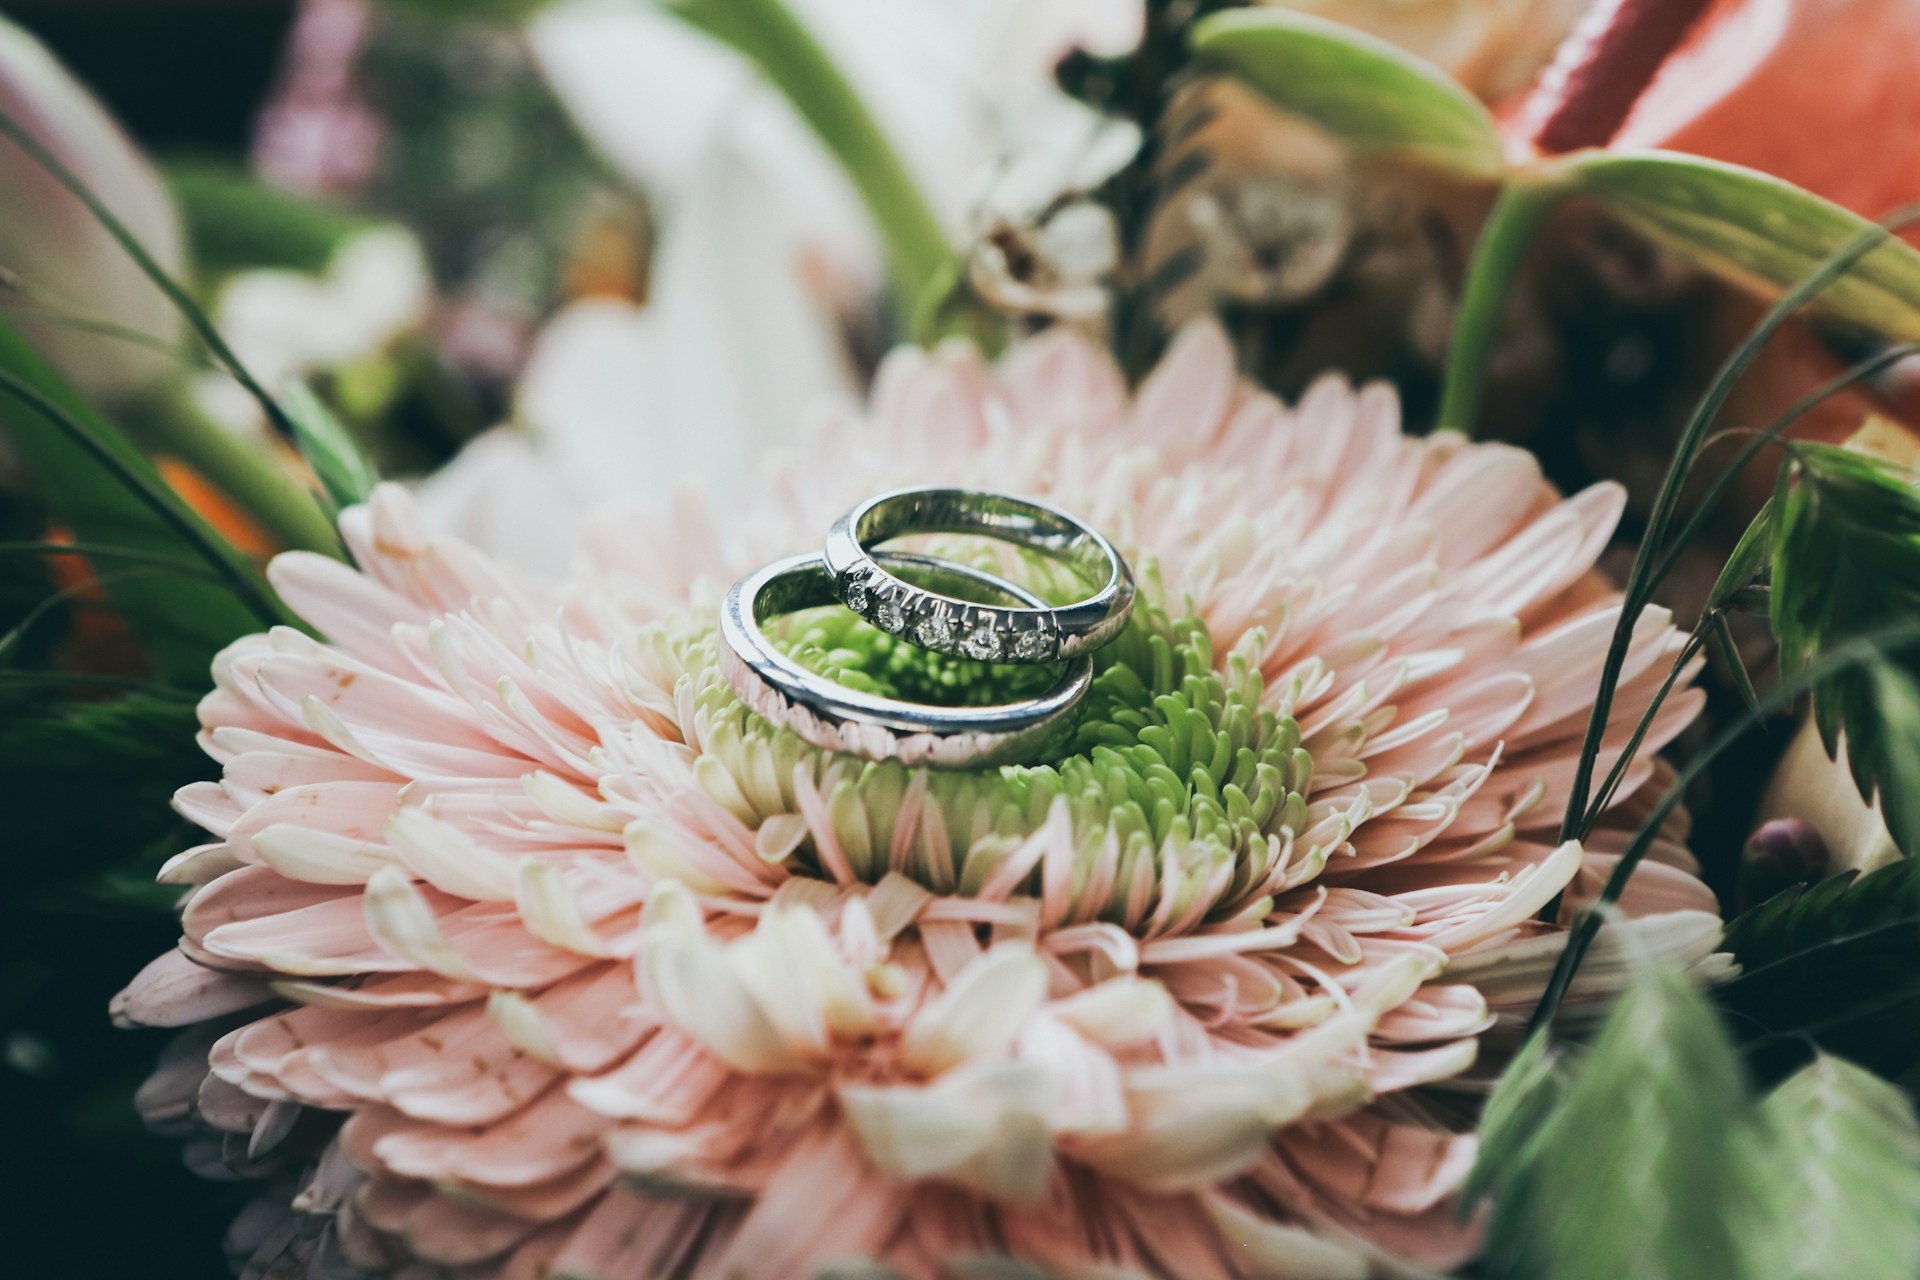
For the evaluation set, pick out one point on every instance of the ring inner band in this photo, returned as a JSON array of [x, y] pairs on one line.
[[994, 515], [831, 715]]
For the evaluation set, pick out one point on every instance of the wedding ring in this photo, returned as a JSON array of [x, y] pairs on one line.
[[831, 715], [1037, 632]]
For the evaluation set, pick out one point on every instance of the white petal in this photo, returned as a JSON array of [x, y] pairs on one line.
[[404, 925], [984, 1127], [980, 1014], [689, 979], [449, 859], [319, 857], [550, 911], [1809, 785]]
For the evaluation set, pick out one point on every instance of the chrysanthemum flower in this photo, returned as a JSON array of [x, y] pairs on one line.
[[608, 977]]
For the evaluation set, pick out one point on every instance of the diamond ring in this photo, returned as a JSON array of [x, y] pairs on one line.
[[833, 716], [1034, 632]]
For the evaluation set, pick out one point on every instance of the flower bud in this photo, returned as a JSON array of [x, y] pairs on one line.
[[55, 257]]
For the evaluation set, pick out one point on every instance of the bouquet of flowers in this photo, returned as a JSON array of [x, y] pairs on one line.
[[1008, 638]]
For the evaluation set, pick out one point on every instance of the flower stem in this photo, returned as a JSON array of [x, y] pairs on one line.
[[788, 53], [1518, 215]]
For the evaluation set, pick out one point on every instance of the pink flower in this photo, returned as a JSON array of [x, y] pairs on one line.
[[607, 977]]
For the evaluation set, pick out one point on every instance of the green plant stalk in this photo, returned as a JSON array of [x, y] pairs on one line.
[[1498, 256], [1860, 650], [781, 46], [287, 510]]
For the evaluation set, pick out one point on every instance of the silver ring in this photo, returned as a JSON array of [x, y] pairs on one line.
[[833, 716], [987, 633]]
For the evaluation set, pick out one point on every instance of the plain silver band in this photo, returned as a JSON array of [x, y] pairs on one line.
[[832, 716], [990, 633]]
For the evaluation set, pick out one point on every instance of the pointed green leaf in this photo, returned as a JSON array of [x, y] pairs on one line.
[[1753, 230], [1815, 961], [1642, 1168], [1527, 1092], [1846, 560], [1843, 1177], [1368, 93], [1749, 559], [1511, 1125], [328, 447]]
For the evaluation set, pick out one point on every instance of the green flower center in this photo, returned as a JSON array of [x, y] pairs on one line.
[[1182, 789]]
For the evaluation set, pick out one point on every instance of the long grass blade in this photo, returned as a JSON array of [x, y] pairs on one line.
[[161, 503], [1641, 581], [1703, 510], [100, 551]]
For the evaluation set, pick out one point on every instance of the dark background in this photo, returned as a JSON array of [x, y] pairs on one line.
[[89, 1193]]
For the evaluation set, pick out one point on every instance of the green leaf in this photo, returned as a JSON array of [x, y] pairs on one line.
[[1531, 1086], [1815, 961], [1511, 1125], [1753, 230], [343, 471], [1846, 560], [1750, 557], [1642, 1168], [181, 621], [236, 222], [1359, 88], [1842, 1193]]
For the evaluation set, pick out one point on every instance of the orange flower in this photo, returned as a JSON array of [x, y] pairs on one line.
[[1822, 93]]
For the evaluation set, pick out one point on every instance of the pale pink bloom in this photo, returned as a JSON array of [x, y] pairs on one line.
[[609, 978], [58, 254], [318, 134]]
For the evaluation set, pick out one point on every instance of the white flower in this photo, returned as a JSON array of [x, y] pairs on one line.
[[56, 253], [764, 241], [283, 323], [956, 84]]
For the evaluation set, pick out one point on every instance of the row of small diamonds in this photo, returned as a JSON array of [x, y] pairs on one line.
[[937, 626]]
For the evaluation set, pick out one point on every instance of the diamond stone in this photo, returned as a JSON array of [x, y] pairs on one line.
[[1033, 646], [935, 631], [859, 596], [983, 643], [889, 615]]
